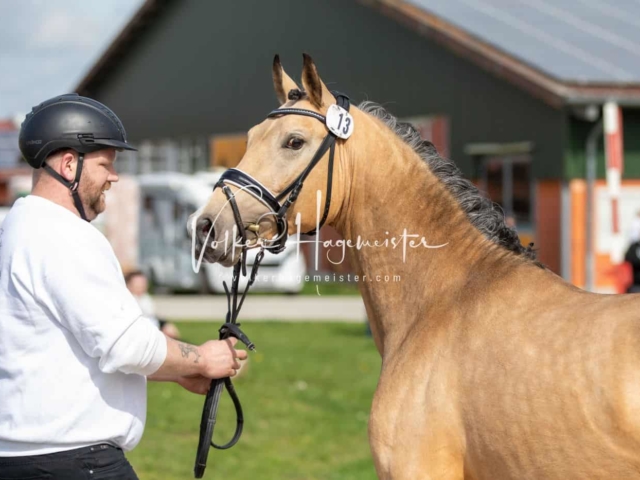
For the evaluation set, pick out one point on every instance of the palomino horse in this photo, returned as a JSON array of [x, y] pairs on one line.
[[493, 367]]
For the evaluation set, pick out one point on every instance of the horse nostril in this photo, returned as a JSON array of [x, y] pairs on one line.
[[203, 226]]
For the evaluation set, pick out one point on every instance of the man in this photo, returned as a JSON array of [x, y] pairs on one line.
[[75, 351]]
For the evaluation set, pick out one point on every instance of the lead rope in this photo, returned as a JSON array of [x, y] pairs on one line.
[[230, 329]]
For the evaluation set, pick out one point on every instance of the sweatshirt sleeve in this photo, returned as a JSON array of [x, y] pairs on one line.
[[129, 355], [86, 293]]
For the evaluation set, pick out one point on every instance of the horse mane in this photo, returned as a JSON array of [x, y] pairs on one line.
[[485, 215]]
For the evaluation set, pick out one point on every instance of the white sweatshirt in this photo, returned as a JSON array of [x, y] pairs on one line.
[[74, 348]]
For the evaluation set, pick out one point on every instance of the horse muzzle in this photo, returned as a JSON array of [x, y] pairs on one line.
[[203, 234]]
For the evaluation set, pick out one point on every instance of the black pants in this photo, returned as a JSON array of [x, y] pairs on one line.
[[100, 462]]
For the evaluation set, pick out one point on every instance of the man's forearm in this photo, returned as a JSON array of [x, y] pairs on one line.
[[182, 359], [212, 359]]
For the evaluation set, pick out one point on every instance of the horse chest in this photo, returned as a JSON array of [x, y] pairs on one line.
[[409, 404]]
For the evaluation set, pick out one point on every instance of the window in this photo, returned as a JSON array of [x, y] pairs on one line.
[[507, 181]]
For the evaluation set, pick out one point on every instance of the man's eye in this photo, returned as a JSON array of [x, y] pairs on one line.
[[295, 143]]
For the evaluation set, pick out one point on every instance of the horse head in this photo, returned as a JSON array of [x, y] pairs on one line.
[[273, 190]]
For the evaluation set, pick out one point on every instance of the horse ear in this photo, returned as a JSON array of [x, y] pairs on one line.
[[282, 83], [317, 91]]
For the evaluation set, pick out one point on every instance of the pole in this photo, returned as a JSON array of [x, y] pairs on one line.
[[614, 152]]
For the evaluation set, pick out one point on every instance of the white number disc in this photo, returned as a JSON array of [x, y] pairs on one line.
[[339, 121]]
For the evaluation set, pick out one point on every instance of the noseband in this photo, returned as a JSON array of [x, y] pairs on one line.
[[340, 125]]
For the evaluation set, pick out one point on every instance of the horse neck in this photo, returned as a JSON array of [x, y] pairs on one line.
[[393, 194]]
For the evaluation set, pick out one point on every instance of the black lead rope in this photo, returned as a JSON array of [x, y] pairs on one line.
[[231, 328]]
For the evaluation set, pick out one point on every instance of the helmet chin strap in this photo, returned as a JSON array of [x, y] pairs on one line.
[[72, 186]]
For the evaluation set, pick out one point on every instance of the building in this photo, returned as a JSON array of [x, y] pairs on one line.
[[510, 91]]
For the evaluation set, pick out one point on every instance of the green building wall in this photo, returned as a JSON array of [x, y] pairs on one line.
[[575, 154]]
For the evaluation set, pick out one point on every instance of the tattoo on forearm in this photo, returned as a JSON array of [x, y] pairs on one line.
[[187, 349]]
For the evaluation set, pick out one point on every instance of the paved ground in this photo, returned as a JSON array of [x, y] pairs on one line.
[[263, 307]]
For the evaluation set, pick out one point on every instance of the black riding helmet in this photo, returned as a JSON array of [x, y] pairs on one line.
[[70, 121]]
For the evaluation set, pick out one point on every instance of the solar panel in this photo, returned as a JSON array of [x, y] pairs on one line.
[[572, 40]]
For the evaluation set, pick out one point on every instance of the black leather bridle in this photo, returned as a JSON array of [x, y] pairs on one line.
[[231, 327], [290, 194]]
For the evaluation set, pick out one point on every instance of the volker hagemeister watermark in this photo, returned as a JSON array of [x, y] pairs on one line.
[[405, 240]]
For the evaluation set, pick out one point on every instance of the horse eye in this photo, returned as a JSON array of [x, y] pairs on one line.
[[295, 143]]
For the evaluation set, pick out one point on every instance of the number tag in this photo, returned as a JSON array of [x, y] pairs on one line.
[[339, 121]]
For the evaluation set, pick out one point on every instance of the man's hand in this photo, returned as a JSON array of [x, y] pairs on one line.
[[212, 359], [220, 359]]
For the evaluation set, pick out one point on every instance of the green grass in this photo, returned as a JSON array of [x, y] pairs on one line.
[[330, 288], [306, 397]]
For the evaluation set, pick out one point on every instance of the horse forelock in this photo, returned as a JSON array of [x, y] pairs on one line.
[[483, 214], [297, 94]]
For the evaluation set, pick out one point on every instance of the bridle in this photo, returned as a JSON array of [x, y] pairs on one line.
[[340, 125], [278, 210]]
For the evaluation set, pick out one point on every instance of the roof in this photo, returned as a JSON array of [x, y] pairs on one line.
[[581, 41], [131, 32], [565, 52], [571, 52]]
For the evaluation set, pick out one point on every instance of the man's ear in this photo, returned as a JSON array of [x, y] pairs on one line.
[[67, 165]]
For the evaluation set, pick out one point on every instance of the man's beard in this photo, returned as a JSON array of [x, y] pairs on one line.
[[92, 199]]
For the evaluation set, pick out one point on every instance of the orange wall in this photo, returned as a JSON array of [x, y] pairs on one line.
[[578, 192], [548, 215], [227, 150]]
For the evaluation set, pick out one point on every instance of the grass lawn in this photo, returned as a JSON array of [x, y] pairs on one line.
[[306, 397], [330, 288]]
